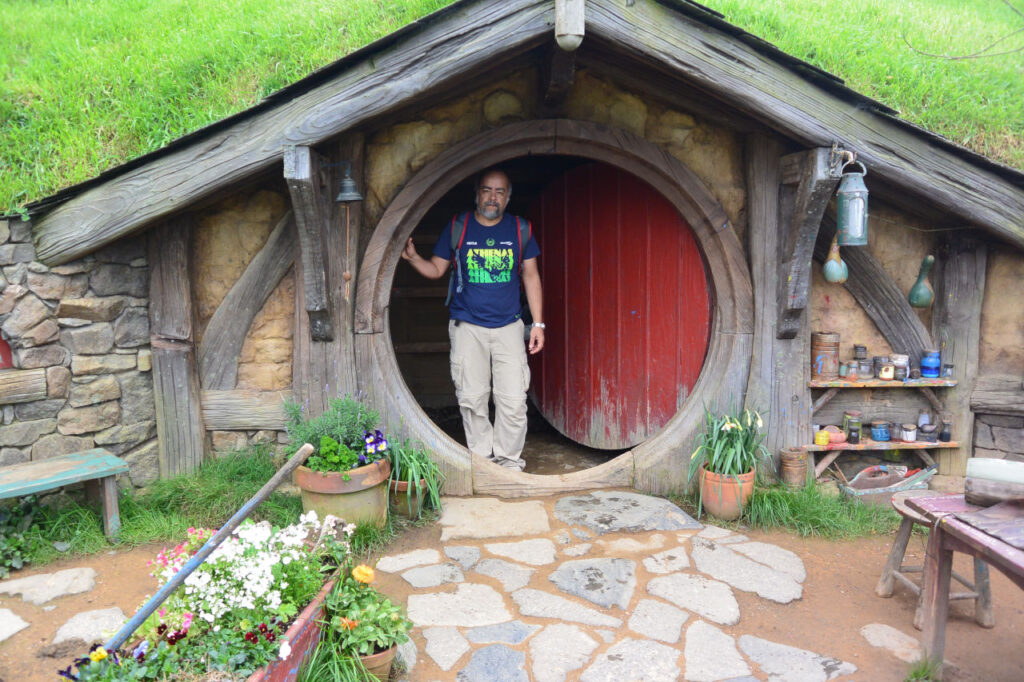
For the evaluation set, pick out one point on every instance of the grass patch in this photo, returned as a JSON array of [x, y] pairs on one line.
[[808, 511], [925, 670], [164, 511]]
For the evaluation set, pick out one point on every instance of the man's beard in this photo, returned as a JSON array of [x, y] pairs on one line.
[[490, 212]]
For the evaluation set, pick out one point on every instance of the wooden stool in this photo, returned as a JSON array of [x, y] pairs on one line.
[[894, 569]]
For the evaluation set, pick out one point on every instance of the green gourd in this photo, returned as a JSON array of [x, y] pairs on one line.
[[835, 269], [921, 295]]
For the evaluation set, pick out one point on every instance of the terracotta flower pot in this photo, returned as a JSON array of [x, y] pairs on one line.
[[401, 501], [722, 496], [379, 664], [361, 499]]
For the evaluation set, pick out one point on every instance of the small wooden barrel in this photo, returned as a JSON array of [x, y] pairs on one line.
[[825, 356], [793, 467]]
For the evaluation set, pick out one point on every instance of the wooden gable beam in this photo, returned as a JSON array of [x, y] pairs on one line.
[[438, 56], [779, 97], [816, 178], [557, 78], [302, 170]]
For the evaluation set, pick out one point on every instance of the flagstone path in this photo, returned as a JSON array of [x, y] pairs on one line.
[[610, 586]]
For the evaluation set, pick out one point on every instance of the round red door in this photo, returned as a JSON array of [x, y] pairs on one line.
[[626, 304]]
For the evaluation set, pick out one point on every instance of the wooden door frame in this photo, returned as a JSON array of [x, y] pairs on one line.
[[659, 464]]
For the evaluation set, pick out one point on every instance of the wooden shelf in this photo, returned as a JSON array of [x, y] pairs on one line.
[[882, 383], [869, 444]]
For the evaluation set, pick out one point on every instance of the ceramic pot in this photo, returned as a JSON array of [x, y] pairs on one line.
[[379, 664], [404, 504], [362, 498], [725, 496], [921, 295]]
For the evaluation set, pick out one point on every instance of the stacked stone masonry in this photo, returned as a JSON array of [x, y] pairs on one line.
[[999, 437], [86, 324]]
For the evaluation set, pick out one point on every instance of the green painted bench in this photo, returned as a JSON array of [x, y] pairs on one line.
[[96, 468]]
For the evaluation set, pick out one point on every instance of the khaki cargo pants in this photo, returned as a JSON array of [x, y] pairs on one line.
[[480, 355]]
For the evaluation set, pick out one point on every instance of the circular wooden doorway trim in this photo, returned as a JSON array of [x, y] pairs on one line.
[[659, 464]]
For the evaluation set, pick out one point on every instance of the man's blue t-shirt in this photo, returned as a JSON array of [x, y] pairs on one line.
[[490, 273]]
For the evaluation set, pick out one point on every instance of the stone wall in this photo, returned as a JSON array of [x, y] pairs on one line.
[[1002, 314], [999, 437], [87, 324]]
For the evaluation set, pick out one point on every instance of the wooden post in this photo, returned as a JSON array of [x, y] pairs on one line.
[[179, 423], [325, 368], [959, 280], [570, 21], [779, 367], [302, 168]]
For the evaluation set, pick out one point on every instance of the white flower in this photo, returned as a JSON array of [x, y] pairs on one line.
[[286, 650]]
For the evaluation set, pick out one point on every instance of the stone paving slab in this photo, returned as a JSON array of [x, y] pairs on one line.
[[707, 598], [722, 563], [637, 660], [559, 649], [445, 645], [433, 576], [605, 582], [545, 605], [657, 620], [463, 556], [511, 576], [537, 552], [669, 561], [487, 517], [775, 557], [604, 511], [495, 663], [10, 624], [631, 545], [91, 626], [711, 655], [790, 664], [39, 589], [470, 605], [899, 644], [399, 562], [514, 632]]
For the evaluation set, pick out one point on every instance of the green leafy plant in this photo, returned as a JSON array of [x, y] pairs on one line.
[[361, 620], [730, 445], [412, 465], [17, 521], [345, 435]]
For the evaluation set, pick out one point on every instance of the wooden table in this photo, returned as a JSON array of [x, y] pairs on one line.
[[950, 534]]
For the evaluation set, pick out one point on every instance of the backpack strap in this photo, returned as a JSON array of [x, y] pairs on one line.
[[455, 282], [525, 233]]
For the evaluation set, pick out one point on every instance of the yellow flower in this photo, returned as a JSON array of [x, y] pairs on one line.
[[363, 574], [98, 655]]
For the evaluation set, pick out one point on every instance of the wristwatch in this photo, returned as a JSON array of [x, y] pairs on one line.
[[538, 325]]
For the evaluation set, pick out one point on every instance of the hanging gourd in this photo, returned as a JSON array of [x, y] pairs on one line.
[[835, 269], [921, 295]]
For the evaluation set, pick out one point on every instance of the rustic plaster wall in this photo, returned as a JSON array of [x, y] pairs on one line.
[[714, 154], [86, 323], [900, 242], [230, 234], [1002, 314]]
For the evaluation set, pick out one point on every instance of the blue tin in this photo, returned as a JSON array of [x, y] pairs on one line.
[[880, 431], [930, 364]]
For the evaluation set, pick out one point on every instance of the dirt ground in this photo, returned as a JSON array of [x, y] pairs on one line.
[[838, 600]]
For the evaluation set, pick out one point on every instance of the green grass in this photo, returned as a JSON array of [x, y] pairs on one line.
[[808, 511], [88, 85], [976, 102], [165, 510], [925, 670]]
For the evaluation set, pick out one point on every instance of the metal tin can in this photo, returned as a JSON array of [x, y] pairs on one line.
[[887, 372], [909, 433], [821, 437]]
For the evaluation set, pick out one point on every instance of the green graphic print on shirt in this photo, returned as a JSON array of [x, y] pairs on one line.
[[489, 266]]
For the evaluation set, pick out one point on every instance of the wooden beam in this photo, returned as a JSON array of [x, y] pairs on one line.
[[779, 367], [22, 385], [998, 394], [241, 410], [959, 279], [877, 293], [570, 21], [302, 170], [325, 369], [816, 180], [783, 100], [558, 75], [179, 424], [436, 56], [227, 329]]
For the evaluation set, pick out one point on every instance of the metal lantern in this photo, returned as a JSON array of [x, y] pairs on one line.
[[852, 208]]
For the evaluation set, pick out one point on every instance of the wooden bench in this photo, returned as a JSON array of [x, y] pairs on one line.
[[96, 468]]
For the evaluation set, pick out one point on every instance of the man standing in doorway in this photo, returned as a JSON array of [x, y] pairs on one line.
[[485, 328]]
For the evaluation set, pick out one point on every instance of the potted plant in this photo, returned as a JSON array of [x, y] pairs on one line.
[[415, 480], [729, 451], [360, 622], [346, 475]]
